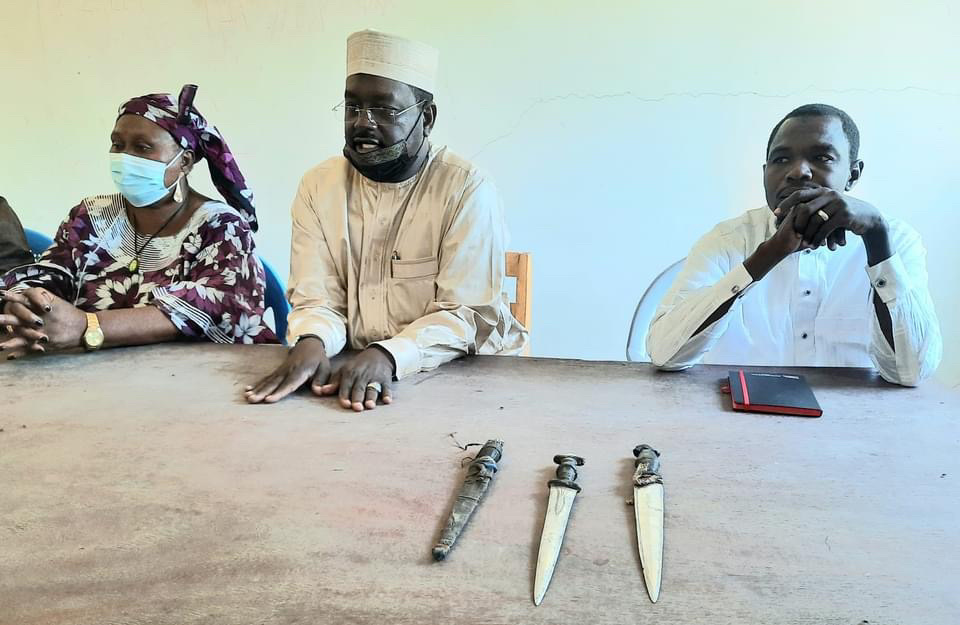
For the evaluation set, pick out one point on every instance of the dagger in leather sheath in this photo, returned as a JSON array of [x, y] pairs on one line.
[[481, 471], [648, 508], [563, 491]]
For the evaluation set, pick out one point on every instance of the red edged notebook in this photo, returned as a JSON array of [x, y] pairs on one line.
[[778, 393]]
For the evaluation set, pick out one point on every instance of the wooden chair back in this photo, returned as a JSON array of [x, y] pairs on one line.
[[520, 266]]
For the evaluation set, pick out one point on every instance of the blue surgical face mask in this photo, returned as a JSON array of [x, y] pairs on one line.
[[140, 180]]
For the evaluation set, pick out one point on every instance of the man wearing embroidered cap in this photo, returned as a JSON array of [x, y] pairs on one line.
[[398, 245]]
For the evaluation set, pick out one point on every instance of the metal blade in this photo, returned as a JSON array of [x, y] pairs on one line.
[[648, 506], [554, 526]]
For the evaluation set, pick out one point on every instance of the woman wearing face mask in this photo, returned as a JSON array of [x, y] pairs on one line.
[[157, 261]]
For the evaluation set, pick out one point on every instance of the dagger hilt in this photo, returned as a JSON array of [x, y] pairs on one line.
[[648, 466], [484, 464], [567, 471]]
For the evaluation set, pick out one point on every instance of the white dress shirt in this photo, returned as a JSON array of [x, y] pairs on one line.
[[416, 266], [815, 308]]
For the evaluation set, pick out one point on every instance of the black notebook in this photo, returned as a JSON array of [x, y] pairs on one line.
[[778, 393]]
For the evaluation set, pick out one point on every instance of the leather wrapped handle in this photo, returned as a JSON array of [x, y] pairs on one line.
[[567, 471], [493, 449], [647, 465]]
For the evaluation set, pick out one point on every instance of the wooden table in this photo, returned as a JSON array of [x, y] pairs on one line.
[[137, 487]]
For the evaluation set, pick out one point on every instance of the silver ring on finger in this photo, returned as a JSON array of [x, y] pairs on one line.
[[375, 386], [822, 214]]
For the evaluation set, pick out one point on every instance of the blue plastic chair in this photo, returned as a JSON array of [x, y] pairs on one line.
[[643, 315], [37, 241], [276, 299]]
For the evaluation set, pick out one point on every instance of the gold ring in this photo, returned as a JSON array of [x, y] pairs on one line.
[[823, 215]]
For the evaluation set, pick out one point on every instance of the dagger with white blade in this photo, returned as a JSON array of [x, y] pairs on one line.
[[481, 471], [563, 490], [648, 507]]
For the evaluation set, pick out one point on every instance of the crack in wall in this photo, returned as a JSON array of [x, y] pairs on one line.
[[704, 94]]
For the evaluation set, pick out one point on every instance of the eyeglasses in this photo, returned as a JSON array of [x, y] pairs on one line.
[[378, 116]]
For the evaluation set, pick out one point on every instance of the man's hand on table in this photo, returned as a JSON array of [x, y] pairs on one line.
[[306, 361], [361, 379], [40, 321]]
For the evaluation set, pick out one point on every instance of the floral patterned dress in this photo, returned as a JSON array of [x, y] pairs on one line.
[[206, 278]]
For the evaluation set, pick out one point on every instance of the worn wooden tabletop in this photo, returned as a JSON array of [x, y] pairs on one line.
[[137, 487]]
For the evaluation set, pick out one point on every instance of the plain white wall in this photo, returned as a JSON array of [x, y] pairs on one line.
[[618, 132]]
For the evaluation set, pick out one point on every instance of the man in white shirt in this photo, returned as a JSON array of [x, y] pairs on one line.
[[783, 285], [398, 246]]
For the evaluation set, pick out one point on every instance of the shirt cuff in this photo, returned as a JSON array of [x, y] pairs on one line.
[[405, 352], [333, 341], [889, 279], [735, 283]]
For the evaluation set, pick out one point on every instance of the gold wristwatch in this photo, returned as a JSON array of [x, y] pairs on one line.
[[93, 336]]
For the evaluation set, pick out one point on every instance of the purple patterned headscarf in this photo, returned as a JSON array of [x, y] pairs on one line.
[[192, 132]]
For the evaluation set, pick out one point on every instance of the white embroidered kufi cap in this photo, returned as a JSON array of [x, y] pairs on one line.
[[390, 56]]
